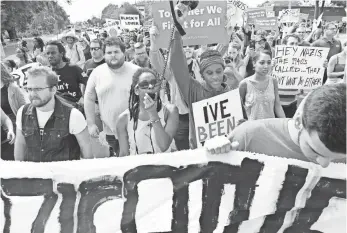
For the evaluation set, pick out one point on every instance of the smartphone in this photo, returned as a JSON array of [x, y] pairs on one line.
[[146, 34], [152, 95]]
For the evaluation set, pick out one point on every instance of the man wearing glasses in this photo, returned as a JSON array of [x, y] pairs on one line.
[[301, 32], [97, 57], [329, 41], [47, 129], [141, 57]]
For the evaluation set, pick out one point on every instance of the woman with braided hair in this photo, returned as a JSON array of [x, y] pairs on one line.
[[147, 126]]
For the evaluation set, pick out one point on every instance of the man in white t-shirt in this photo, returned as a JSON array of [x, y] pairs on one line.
[[47, 128], [110, 83]]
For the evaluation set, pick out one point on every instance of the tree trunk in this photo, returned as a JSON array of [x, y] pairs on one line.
[[316, 9], [322, 8], [12, 33]]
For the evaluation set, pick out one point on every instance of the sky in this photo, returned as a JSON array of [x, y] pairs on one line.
[[82, 10]]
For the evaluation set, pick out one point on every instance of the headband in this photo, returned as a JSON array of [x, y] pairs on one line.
[[215, 59]]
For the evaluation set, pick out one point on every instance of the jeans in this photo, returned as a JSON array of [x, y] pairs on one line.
[[182, 135], [114, 145]]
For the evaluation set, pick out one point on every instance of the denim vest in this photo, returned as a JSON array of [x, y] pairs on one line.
[[54, 143]]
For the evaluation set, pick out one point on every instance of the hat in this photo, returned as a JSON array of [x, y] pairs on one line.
[[70, 34], [258, 38], [210, 57]]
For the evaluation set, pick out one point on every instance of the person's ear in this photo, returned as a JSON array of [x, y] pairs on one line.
[[298, 121], [54, 89], [136, 90]]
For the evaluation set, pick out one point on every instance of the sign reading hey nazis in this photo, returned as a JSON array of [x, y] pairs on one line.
[[187, 191], [217, 116], [203, 25], [299, 67]]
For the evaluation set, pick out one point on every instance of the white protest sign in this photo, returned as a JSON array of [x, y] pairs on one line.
[[187, 191], [217, 116], [20, 74], [289, 15], [142, 10], [130, 22], [299, 67], [235, 12]]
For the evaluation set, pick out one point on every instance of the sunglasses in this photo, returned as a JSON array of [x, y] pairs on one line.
[[95, 49], [147, 84]]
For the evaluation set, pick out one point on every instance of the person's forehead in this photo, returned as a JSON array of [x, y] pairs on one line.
[[317, 145], [52, 47], [112, 48], [264, 57], [37, 81], [94, 44], [140, 49], [213, 67], [146, 76]]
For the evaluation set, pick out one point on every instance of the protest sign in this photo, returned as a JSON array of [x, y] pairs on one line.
[[266, 23], [270, 14], [303, 16], [130, 22], [203, 25], [20, 74], [217, 116], [141, 9], [187, 191], [252, 15], [289, 15], [299, 67], [235, 12]]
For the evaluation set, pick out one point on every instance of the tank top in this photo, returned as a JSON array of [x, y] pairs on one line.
[[142, 141], [260, 104]]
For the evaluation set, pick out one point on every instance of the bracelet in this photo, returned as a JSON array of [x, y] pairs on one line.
[[155, 121]]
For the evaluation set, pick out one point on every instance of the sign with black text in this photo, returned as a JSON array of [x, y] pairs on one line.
[[217, 116], [130, 22], [299, 67], [235, 12]]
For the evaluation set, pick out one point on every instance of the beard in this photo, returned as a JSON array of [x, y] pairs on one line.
[[142, 63], [115, 65], [37, 102]]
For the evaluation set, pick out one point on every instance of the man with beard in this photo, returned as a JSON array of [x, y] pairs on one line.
[[47, 129], [71, 77], [110, 83], [141, 57]]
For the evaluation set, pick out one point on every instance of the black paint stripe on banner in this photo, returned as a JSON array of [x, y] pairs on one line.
[[295, 179], [45, 211], [325, 189], [7, 213], [95, 192], [67, 207]]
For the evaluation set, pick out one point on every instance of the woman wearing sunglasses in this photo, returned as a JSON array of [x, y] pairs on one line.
[[148, 126]]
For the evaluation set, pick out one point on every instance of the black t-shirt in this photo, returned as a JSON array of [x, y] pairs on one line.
[[90, 65], [70, 76]]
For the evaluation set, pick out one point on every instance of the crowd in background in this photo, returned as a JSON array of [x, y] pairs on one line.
[[116, 84]]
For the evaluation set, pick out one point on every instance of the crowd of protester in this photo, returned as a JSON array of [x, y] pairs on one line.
[[116, 84]]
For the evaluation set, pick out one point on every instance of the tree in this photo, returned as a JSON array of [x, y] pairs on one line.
[[21, 16]]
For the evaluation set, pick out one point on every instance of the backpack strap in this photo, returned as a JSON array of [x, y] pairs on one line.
[[78, 54]]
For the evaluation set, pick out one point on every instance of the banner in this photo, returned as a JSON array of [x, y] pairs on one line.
[[217, 116], [129, 22], [266, 23], [204, 25], [299, 67], [235, 12], [187, 191], [20, 74], [289, 15]]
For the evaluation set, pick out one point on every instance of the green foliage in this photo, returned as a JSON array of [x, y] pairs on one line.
[[32, 16]]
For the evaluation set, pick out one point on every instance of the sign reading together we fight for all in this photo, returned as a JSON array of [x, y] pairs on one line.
[[203, 25]]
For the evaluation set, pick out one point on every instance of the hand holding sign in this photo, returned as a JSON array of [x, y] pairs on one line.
[[220, 145]]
